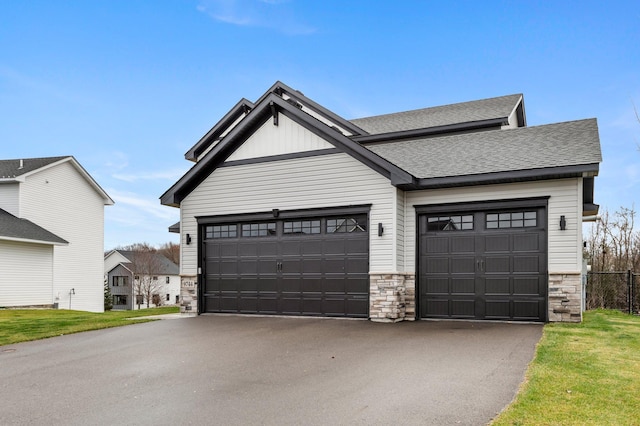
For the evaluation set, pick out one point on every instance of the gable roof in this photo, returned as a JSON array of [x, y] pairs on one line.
[[573, 146], [13, 228], [16, 170], [269, 107], [494, 109], [442, 154], [11, 169], [164, 265]]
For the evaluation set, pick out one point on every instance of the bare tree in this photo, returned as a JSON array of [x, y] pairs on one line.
[[145, 265], [171, 251]]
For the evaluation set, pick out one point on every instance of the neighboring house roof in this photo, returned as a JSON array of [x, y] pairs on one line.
[[574, 143], [443, 154], [16, 170], [15, 229], [164, 265], [465, 112]]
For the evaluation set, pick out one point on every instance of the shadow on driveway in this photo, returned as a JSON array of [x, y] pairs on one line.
[[256, 370]]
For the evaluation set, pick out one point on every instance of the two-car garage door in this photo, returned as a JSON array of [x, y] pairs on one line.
[[316, 265], [483, 264]]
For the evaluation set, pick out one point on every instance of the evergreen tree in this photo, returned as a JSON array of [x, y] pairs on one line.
[[108, 300]]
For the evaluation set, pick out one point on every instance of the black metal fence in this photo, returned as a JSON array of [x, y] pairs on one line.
[[613, 290]]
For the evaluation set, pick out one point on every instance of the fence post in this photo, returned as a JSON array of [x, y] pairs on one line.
[[629, 291]]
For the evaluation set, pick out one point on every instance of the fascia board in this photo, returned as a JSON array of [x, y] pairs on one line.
[[219, 128], [430, 131]]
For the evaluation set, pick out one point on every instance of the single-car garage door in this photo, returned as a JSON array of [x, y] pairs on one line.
[[289, 266], [489, 264]]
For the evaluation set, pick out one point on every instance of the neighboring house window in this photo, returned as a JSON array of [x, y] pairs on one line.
[[139, 299], [168, 297], [120, 299], [119, 281], [155, 299], [136, 277], [167, 280], [155, 278], [177, 298]]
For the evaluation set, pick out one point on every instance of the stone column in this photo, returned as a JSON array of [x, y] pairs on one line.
[[388, 301], [188, 294], [565, 296]]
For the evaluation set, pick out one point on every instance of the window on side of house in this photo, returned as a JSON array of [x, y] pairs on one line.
[[119, 281], [167, 280], [120, 299], [139, 299]]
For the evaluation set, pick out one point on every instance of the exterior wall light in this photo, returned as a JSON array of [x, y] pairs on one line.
[[563, 223], [188, 239], [380, 229]]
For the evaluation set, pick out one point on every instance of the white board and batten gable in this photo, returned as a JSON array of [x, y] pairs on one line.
[[60, 196]]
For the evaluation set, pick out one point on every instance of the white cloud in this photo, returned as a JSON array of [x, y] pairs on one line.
[[275, 15], [171, 175], [135, 206]]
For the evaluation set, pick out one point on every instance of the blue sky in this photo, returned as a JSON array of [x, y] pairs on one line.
[[127, 87]]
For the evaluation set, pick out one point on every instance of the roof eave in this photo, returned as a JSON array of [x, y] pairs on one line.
[[560, 172], [33, 241]]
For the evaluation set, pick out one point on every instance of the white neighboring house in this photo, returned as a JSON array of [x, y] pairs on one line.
[[129, 273], [51, 234]]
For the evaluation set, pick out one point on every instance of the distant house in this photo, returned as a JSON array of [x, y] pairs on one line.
[[456, 211], [139, 279], [51, 234]]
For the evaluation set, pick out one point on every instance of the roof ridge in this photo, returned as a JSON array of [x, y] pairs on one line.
[[437, 106]]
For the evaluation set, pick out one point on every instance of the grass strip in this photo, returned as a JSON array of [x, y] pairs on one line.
[[21, 325], [582, 374]]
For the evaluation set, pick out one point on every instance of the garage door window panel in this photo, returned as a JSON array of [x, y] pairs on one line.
[[522, 219], [221, 231], [302, 227], [450, 223], [346, 225], [258, 229]]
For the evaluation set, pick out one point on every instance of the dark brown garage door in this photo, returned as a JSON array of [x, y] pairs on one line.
[[301, 266], [483, 264]]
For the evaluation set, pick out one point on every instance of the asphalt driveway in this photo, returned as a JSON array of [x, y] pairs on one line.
[[254, 370]]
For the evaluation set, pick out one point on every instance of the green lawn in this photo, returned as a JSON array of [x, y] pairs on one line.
[[21, 325], [582, 374]]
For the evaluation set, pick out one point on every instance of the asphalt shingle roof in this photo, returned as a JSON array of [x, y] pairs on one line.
[[11, 168], [524, 148], [164, 265], [464, 112], [23, 229]]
